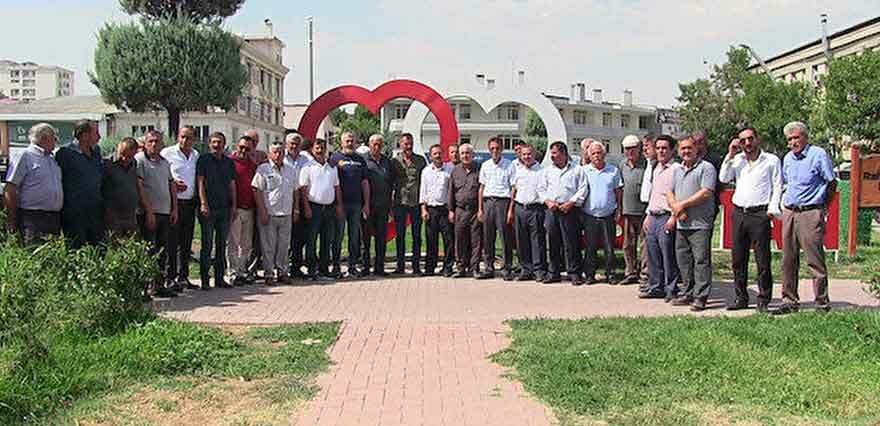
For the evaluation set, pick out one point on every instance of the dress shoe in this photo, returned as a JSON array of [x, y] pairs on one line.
[[164, 292], [591, 281], [823, 307], [428, 274], [221, 283], [185, 283], [447, 273], [418, 272], [648, 295], [380, 273], [460, 274], [612, 280], [398, 270], [508, 276], [683, 301], [762, 307], [738, 305], [297, 273], [552, 279], [524, 277], [238, 281], [485, 275], [269, 281], [785, 309], [284, 280], [698, 305], [576, 280]]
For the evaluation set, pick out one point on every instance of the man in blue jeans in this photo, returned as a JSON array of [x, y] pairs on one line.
[[353, 180], [215, 175], [660, 227], [407, 177]]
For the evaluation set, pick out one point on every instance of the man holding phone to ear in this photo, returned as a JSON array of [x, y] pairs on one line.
[[758, 177]]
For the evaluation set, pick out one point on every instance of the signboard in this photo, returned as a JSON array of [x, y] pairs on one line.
[[870, 172], [832, 225]]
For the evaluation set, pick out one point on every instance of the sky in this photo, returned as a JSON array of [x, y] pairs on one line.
[[647, 46]]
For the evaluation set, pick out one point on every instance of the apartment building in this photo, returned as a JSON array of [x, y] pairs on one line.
[[29, 81]]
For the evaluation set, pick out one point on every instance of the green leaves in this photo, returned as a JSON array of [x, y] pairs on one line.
[[199, 11], [853, 96]]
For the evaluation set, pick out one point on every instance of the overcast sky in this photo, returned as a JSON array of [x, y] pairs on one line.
[[645, 46]]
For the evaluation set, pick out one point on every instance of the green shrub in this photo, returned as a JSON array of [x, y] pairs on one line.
[[871, 276]]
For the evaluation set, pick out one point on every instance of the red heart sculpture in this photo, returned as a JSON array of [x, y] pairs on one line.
[[373, 100], [339, 96]]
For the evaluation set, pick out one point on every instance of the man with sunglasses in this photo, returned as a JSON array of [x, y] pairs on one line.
[[241, 237]]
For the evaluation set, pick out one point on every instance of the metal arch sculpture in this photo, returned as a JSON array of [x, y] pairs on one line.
[[374, 100], [488, 100]]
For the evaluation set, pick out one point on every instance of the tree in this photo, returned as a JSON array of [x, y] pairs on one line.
[[196, 10], [362, 123], [852, 96], [534, 124], [733, 97], [171, 64]]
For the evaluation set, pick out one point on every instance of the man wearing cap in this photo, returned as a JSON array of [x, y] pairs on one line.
[[810, 184], [632, 171]]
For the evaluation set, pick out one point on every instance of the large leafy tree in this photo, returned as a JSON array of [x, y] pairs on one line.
[[534, 124], [171, 64], [732, 97], [852, 96], [362, 123], [197, 10]]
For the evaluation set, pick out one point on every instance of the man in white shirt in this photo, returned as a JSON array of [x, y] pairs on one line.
[[275, 194], [756, 200], [299, 231], [562, 188], [529, 210], [182, 158], [495, 209], [433, 195], [322, 205]]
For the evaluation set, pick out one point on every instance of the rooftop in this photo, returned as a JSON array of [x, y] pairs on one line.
[[818, 41], [62, 105]]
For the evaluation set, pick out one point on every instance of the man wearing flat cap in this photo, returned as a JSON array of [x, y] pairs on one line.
[[632, 171]]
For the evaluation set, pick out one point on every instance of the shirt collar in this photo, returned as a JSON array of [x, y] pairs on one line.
[[40, 149], [803, 153]]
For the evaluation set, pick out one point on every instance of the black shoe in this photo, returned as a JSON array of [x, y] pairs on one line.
[[552, 279], [484, 275], [670, 297], [738, 305], [398, 271], [629, 281], [297, 273], [524, 277], [477, 275], [380, 273], [221, 283], [335, 273], [186, 284], [354, 272], [591, 281], [238, 281], [647, 295], [576, 280], [683, 301], [612, 280], [539, 277], [762, 308], [460, 274], [419, 273], [508, 276], [447, 273], [823, 307], [785, 309], [699, 305], [428, 273], [164, 292]]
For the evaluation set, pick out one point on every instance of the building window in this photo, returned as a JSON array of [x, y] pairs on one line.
[[580, 117], [29, 92], [507, 141], [202, 133], [28, 83], [464, 111], [141, 130], [27, 74], [644, 121], [606, 119], [508, 113], [250, 71], [400, 111], [463, 139], [14, 92], [624, 121], [14, 73], [278, 88], [262, 79]]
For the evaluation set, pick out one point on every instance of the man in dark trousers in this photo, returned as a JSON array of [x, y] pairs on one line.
[[215, 174], [379, 175], [464, 187], [81, 175], [433, 196]]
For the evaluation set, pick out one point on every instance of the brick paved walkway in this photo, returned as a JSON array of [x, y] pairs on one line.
[[413, 351]]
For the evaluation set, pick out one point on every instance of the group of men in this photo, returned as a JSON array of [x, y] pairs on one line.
[[288, 211]]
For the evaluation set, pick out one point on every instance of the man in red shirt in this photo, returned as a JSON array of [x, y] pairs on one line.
[[238, 251]]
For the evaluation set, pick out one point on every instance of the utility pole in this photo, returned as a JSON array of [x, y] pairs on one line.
[[311, 41]]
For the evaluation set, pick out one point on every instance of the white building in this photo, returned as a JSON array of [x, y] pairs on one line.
[[261, 105], [28, 81], [594, 118], [809, 61]]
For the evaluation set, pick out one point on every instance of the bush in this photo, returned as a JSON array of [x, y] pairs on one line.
[[871, 276]]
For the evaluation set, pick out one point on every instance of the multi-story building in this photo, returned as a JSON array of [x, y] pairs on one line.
[[809, 61], [28, 81], [260, 106], [593, 118]]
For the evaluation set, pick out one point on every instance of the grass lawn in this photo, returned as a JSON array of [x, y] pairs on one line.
[[165, 372], [808, 368]]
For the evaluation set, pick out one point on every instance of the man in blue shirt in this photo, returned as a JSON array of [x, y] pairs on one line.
[[81, 175], [809, 183], [600, 211], [353, 180]]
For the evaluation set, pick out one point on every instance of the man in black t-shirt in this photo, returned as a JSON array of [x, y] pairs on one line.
[[215, 176]]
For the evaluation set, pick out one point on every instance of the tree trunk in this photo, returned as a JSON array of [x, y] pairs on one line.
[[173, 123]]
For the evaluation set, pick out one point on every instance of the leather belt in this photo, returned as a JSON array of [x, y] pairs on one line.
[[799, 209], [660, 213], [530, 206], [753, 209]]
